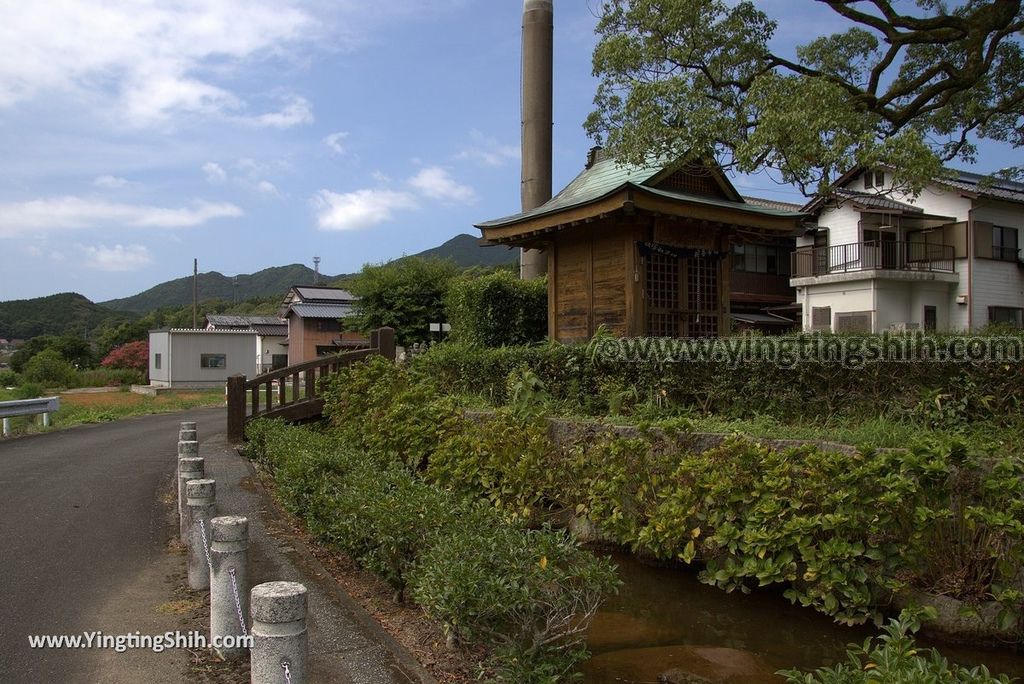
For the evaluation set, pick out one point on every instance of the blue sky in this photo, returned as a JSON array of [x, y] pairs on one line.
[[254, 133]]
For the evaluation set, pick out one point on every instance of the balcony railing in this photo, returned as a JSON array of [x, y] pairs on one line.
[[872, 255]]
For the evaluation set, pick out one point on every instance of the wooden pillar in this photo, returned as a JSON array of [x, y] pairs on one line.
[[386, 342], [236, 409]]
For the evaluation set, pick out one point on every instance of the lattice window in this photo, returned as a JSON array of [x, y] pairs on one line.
[[683, 296], [693, 181], [853, 322], [663, 281]]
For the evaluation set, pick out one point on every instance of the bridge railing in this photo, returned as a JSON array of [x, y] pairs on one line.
[[292, 393]]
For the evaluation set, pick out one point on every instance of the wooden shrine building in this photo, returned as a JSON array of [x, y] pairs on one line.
[[655, 251]]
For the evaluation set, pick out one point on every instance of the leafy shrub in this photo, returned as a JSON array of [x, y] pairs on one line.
[[895, 658], [74, 350], [111, 377], [362, 398], [497, 309], [133, 356], [49, 368], [528, 593], [8, 378], [28, 390]]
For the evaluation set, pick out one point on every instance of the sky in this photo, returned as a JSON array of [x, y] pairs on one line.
[[136, 136]]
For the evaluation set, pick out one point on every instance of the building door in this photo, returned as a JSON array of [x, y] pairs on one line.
[[683, 295], [931, 319]]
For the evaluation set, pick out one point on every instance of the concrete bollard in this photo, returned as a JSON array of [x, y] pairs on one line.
[[188, 436], [229, 580], [200, 499], [191, 468], [188, 448], [187, 425], [279, 639]]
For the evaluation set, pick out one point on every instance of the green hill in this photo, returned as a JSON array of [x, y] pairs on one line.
[[465, 250], [68, 313], [270, 282]]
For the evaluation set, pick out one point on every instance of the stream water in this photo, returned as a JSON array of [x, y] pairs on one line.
[[665, 621]]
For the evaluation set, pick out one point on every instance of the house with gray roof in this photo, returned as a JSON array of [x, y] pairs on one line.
[[313, 315], [271, 336], [879, 259]]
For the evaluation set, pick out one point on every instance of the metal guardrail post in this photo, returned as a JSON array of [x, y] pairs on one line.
[[189, 468], [229, 580], [200, 500], [280, 643]]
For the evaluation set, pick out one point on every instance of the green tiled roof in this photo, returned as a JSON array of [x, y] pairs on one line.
[[605, 177]]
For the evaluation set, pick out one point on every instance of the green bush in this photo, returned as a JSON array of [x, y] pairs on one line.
[[895, 658], [497, 309], [111, 377], [529, 595], [49, 368], [9, 378]]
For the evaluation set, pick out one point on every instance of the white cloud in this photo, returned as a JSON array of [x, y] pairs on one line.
[[298, 111], [70, 212], [333, 141], [117, 258], [265, 187], [152, 60], [110, 182], [488, 151], [359, 209], [435, 183], [380, 176], [215, 173]]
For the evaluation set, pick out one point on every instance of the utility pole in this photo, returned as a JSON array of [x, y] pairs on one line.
[[195, 292]]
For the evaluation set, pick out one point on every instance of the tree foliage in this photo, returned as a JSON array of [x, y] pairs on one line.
[[690, 78], [406, 295], [133, 356], [75, 351], [497, 309]]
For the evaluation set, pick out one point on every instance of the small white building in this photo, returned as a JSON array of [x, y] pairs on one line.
[[272, 341], [878, 259], [185, 358]]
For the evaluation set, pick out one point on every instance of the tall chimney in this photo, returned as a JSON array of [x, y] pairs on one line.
[[538, 120]]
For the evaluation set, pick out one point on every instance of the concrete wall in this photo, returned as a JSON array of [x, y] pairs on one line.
[[187, 347], [160, 343]]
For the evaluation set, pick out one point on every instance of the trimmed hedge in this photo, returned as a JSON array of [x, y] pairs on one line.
[[497, 309], [528, 594], [627, 377], [839, 531]]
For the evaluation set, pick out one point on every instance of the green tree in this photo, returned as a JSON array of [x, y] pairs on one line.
[[695, 78], [406, 294], [497, 309], [74, 350], [49, 368]]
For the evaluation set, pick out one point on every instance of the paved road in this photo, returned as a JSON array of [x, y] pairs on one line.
[[80, 520]]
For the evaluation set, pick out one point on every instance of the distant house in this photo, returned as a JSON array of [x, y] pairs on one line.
[[271, 336], [659, 250], [314, 314], [878, 259], [187, 358]]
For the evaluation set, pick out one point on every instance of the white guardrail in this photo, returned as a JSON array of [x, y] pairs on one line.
[[28, 407]]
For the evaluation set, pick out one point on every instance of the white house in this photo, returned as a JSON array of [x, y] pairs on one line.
[[184, 358], [879, 259], [271, 341]]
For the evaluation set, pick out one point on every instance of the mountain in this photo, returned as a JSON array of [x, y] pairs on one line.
[[270, 282], [68, 313], [465, 250]]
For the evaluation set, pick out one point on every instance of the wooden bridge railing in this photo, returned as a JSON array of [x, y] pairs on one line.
[[292, 393]]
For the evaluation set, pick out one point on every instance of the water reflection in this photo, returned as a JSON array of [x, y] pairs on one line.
[[664, 623]]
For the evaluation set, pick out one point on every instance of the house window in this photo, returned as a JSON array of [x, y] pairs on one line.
[[874, 179], [328, 325], [1004, 243], [213, 361], [156, 361], [1007, 315], [853, 322], [821, 318], [760, 259]]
